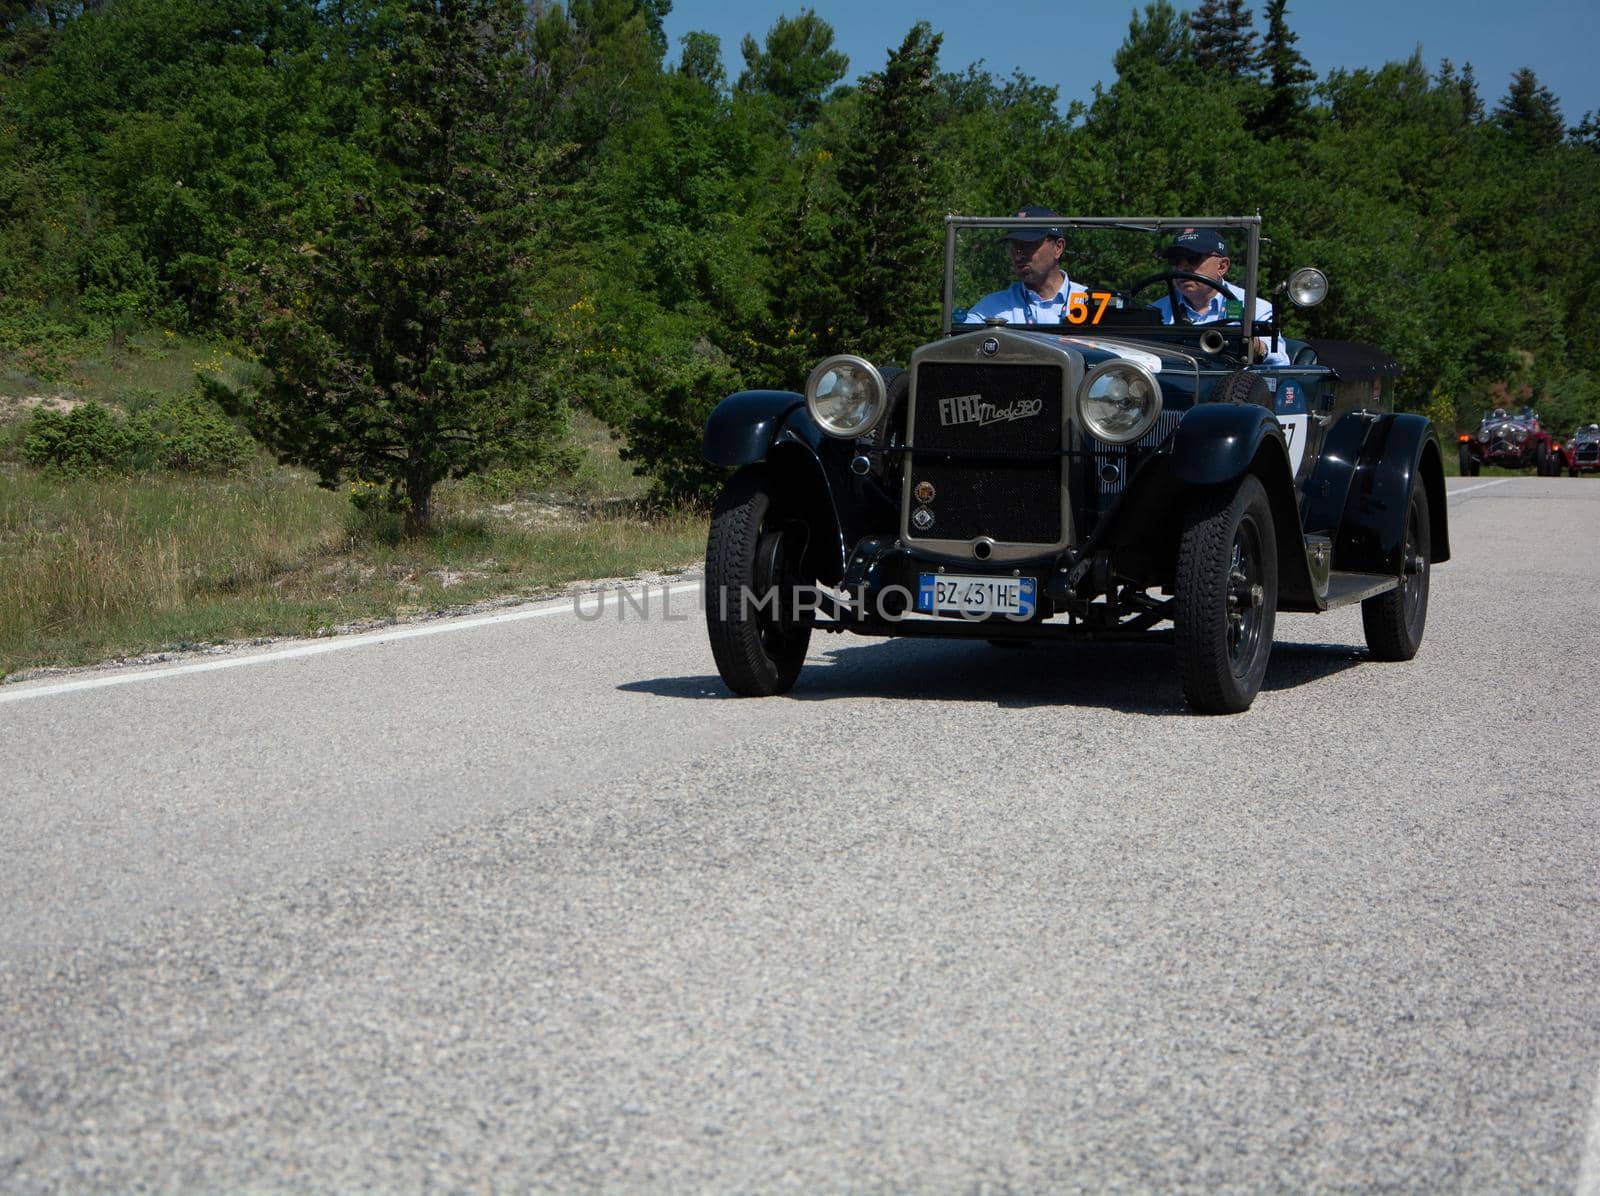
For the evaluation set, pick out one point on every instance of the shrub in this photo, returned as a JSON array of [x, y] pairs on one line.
[[192, 437], [180, 433], [89, 439]]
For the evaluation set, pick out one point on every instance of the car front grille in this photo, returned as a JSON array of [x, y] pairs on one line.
[[1587, 453], [986, 438]]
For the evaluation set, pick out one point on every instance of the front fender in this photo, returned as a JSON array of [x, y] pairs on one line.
[[809, 472], [743, 426], [1399, 452], [1217, 442]]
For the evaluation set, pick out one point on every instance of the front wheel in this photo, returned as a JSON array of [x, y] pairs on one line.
[[759, 631], [1227, 597], [1393, 621], [1469, 465], [1541, 461]]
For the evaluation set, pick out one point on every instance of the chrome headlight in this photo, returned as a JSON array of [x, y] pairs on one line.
[[1308, 287], [1119, 401], [846, 396]]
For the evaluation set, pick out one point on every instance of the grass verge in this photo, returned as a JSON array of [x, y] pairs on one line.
[[98, 569]]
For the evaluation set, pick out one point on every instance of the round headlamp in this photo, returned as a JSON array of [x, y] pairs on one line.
[[1119, 401], [846, 396], [1308, 287]]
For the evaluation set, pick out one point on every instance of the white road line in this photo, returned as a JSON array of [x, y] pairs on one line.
[[590, 604], [1589, 1169], [1480, 486]]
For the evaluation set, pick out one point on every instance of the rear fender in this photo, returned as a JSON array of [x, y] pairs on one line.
[[1400, 450], [1328, 488]]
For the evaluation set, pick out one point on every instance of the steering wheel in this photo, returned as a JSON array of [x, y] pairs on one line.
[[1171, 277]]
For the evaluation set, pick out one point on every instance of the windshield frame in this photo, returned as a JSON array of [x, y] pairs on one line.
[[1149, 224]]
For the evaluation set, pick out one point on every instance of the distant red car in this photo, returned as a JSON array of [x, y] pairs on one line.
[[1513, 442], [1582, 451]]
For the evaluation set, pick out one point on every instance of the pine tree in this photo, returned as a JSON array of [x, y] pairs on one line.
[[399, 339], [1224, 40], [796, 68], [1529, 114], [1471, 102], [889, 175], [1587, 131], [1158, 42], [1288, 77]]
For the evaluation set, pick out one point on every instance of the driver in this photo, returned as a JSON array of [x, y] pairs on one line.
[[1202, 251], [1039, 296]]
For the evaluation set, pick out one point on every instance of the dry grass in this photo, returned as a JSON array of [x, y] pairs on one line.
[[104, 568], [95, 570]]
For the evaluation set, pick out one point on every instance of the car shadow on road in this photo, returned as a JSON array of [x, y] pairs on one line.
[[1133, 678]]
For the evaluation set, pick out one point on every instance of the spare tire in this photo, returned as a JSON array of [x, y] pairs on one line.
[[1242, 386]]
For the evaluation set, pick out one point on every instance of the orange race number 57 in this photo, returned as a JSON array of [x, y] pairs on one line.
[[1078, 306]]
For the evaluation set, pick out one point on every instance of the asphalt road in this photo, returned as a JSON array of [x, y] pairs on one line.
[[527, 903]]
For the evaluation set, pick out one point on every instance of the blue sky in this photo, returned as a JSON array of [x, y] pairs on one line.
[[1071, 43]]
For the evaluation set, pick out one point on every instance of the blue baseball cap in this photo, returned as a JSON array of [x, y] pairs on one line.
[[1202, 242], [1035, 233]]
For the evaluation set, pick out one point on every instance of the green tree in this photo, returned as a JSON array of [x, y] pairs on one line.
[[886, 250], [1224, 40], [1529, 114], [796, 67], [1159, 42], [1288, 77], [702, 59], [400, 339], [592, 69]]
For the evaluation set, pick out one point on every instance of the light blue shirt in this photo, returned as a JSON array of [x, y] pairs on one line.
[[1217, 309], [1019, 305]]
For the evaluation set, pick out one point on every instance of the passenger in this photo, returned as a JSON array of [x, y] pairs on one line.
[[1039, 296], [1202, 251]]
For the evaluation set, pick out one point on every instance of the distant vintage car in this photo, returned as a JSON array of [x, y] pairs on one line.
[[1514, 440], [1581, 453], [1092, 479]]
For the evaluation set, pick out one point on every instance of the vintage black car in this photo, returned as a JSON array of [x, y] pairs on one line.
[[1581, 453], [1511, 440], [1097, 478]]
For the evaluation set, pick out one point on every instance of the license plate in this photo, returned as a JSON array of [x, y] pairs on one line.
[[943, 594]]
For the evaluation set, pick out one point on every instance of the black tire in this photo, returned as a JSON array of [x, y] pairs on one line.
[[759, 644], [1394, 622], [1572, 471], [1541, 460], [1227, 596], [1242, 386], [1468, 465]]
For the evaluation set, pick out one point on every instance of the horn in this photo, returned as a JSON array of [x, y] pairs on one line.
[[1212, 341]]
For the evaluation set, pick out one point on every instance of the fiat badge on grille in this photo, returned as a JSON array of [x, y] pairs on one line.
[[990, 346]]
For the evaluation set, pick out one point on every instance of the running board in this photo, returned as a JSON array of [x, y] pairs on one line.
[[1345, 588]]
